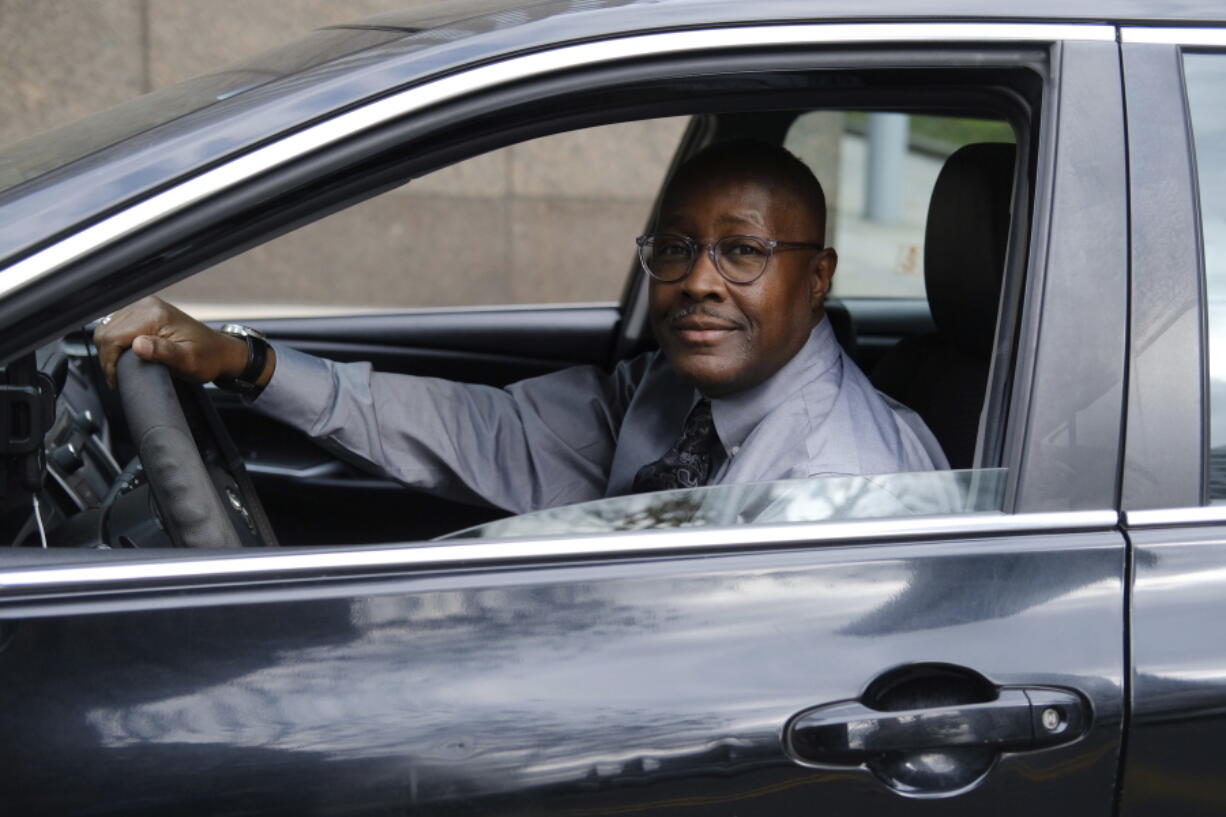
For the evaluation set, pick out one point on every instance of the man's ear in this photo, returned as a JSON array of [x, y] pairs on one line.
[[823, 275]]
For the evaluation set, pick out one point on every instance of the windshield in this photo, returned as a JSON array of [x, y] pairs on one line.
[[819, 499]]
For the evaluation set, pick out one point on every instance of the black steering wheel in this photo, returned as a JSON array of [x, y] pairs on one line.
[[203, 492]]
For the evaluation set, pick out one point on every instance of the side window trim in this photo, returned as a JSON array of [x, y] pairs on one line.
[[1165, 438], [1175, 517], [95, 573], [1180, 46], [1065, 410], [1190, 36]]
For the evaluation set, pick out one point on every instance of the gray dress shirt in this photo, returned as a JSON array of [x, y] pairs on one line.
[[581, 434]]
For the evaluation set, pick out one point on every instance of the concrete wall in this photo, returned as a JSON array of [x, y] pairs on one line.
[[547, 221], [65, 59], [551, 220]]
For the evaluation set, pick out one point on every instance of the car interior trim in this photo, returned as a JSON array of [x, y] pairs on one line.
[[1174, 36], [490, 552], [1168, 391], [1173, 517], [378, 112]]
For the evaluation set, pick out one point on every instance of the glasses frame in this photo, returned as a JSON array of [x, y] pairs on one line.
[[772, 245]]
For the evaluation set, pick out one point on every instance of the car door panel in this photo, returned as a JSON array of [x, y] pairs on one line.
[[638, 685], [1179, 673]]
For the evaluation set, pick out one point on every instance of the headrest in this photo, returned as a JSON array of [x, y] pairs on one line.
[[964, 246]]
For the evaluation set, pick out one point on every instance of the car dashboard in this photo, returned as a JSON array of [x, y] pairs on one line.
[[93, 493]]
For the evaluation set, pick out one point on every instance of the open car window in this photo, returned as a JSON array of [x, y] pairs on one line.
[[546, 221], [503, 228], [879, 169], [522, 224], [548, 216]]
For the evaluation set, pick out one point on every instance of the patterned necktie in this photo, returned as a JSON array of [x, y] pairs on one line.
[[688, 463]]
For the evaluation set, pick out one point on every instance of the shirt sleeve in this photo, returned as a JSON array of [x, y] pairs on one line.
[[538, 443]]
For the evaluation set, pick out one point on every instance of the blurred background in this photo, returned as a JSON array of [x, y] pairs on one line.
[[69, 58], [551, 220]]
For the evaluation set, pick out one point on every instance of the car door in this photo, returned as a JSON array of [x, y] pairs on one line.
[[961, 662], [1172, 488]]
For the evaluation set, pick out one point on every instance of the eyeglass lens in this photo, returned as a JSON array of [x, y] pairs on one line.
[[740, 259]]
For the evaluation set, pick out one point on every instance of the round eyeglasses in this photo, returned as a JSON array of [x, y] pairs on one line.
[[739, 259]]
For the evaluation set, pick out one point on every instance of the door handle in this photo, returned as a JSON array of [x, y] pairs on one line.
[[849, 733]]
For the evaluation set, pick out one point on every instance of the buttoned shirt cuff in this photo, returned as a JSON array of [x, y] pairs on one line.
[[299, 391]]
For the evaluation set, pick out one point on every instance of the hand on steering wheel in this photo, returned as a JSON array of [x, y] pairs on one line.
[[160, 332], [202, 489]]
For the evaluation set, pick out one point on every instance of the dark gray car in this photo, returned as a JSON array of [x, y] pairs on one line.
[[1042, 629]]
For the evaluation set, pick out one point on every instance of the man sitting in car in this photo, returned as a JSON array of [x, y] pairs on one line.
[[749, 383]]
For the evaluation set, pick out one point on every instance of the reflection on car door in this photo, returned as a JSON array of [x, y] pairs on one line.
[[637, 683]]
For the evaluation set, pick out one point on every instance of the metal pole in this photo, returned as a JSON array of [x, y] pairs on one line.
[[884, 165]]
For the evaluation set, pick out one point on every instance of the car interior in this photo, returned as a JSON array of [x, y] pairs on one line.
[[948, 355]]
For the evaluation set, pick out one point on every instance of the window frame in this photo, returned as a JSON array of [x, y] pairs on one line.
[[1078, 509], [1166, 475]]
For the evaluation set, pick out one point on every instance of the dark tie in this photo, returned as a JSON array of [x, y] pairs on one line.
[[688, 463]]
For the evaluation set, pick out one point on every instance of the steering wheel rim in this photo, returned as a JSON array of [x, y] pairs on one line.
[[193, 512]]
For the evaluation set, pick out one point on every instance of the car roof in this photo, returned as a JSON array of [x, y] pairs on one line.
[[510, 12], [71, 176]]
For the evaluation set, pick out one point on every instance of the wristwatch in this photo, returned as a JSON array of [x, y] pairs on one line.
[[257, 356]]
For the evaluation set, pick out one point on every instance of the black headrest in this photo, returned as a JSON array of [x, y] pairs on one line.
[[964, 247]]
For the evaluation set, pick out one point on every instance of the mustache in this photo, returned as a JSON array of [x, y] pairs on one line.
[[702, 310]]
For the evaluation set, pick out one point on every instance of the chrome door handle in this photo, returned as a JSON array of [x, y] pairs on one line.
[[848, 733]]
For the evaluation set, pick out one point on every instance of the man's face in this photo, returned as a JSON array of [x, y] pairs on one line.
[[724, 337]]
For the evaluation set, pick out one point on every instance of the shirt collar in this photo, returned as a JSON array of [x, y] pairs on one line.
[[739, 413]]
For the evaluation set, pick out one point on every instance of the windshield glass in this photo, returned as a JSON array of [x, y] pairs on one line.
[[819, 499], [33, 157]]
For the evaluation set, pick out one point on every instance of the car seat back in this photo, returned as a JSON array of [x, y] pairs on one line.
[[943, 375]]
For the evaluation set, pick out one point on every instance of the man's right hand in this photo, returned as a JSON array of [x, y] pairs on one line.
[[159, 332]]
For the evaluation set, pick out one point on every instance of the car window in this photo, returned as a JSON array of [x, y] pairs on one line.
[[553, 220], [878, 171], [822, 499], [1205, 75], [550, 220]]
